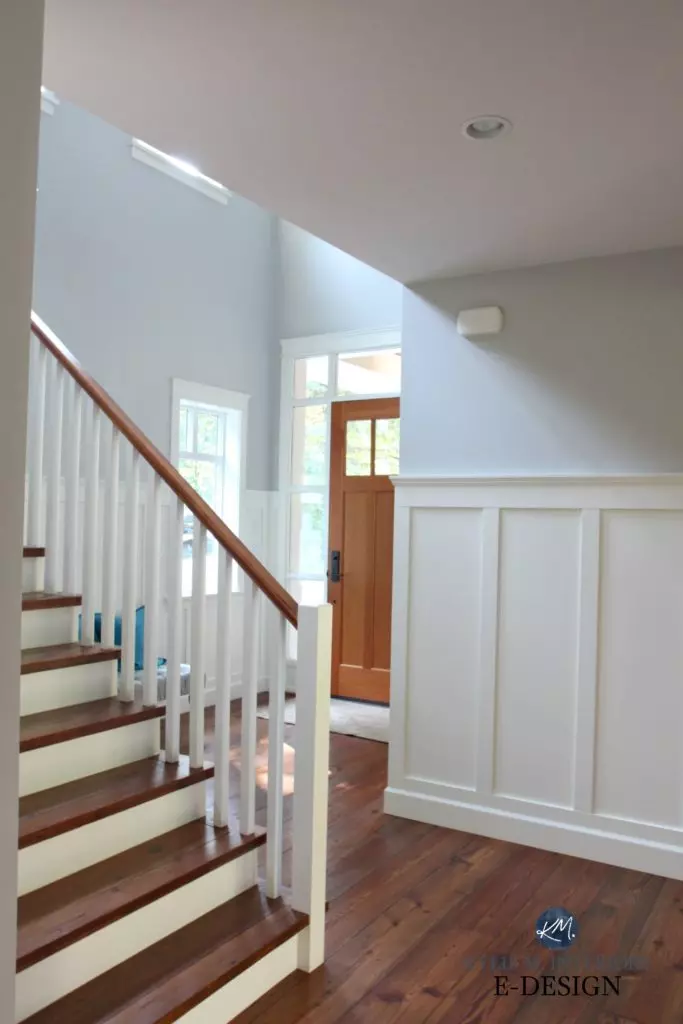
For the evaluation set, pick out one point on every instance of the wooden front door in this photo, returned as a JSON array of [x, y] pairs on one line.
[[364, 454]]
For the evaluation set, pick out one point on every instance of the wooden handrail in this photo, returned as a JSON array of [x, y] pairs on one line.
[[266, 582]]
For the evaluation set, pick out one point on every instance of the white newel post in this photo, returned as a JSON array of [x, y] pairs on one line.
[[311, 770]]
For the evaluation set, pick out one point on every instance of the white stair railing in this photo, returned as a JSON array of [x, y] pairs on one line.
[[129, 561]]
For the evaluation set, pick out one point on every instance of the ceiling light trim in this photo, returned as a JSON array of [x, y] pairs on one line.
[[486, 127]]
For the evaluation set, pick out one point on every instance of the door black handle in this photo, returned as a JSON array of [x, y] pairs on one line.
[[334, 575]]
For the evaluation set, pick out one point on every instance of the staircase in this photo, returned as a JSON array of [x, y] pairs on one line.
[[140, 897]]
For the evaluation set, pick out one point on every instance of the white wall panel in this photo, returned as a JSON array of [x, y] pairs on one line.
[[537, 663], [537, 654], [443, 645], [639, 736]]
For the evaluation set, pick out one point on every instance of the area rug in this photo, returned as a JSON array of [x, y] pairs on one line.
[[349, 717]]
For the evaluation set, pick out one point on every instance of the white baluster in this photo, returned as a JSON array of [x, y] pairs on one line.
[[36, 537], [198, 657], [130, 580], [91, 552], [175, 632], [110, 546], [223, 683], [53, 552], [276, 740], [150, 685], [312, 744], [72, 504], [250, 663]]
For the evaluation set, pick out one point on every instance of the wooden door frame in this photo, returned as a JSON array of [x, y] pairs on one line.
[[382, 407]]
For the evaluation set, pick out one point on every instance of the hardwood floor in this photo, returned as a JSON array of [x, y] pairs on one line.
[[419, 915]]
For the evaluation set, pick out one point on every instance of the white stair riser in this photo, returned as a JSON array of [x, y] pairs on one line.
[[33, 574], [65, 854], [65, 762], [230, 1001], [54, 977], [49, 626], [64, 687]]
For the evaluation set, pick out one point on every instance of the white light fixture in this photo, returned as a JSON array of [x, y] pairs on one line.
[[486, 126], [472, 323], [179, 169]]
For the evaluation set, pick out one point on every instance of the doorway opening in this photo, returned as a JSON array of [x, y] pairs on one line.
[[339, 440]]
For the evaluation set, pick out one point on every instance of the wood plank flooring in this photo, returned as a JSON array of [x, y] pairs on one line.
[[420, 915]]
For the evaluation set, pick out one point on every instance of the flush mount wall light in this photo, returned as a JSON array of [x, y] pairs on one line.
[[473, 323], [486, 126]]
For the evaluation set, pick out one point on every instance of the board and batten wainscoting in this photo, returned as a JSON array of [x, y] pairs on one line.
[[537, 663]]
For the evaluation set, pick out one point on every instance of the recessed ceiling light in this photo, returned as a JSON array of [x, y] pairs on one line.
[[486, 126]]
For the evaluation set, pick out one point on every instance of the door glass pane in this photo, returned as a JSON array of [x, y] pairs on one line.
[[309, 445], [307, 535], [311, 377], [387, 434], [207, 433], [369, 373], [358, 447]]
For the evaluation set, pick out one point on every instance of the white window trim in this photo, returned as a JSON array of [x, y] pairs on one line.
[[177, 169], [208, 394], [299, 348]]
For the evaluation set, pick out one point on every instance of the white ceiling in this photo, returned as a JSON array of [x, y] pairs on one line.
[[344, 116]]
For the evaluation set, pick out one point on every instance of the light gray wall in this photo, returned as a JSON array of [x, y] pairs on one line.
[[587, 375], [145, 279], [323, 290], [21, 36]]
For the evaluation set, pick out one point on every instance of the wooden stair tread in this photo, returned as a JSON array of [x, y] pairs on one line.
[[59, 914], [168, 979], [30, 552], [70, 723], [38, 600], [44, 659], [54, 811]]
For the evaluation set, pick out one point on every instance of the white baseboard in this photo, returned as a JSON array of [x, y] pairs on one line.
[[559, 837]]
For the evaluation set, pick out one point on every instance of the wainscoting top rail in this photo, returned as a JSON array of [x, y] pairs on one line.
[[257, 572]]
